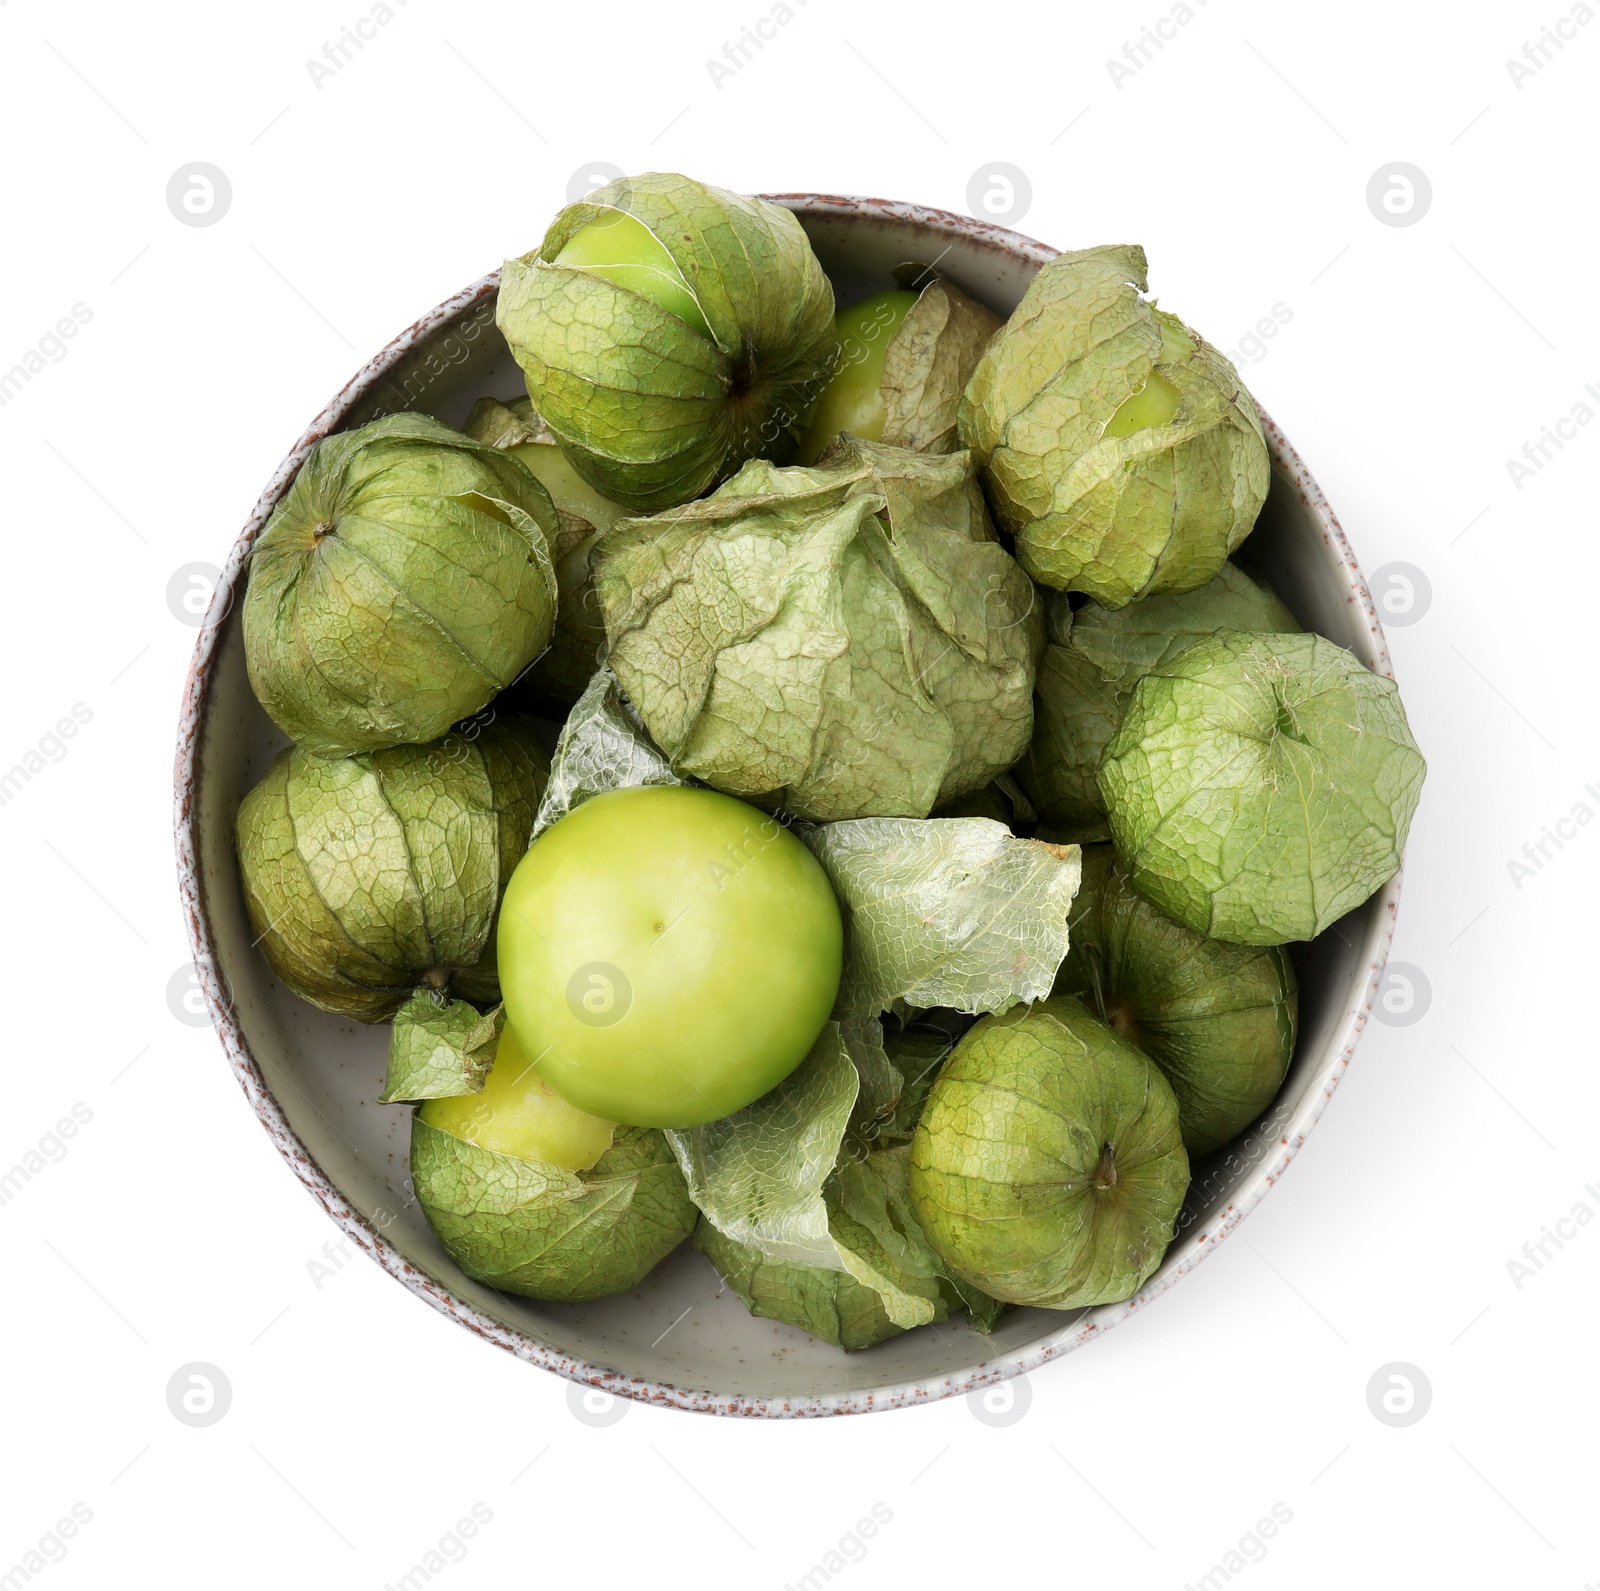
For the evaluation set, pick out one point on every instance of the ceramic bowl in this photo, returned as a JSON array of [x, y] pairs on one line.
[[681, 1339]]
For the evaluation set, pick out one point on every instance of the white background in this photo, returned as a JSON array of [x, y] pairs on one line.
[[1416, 362]]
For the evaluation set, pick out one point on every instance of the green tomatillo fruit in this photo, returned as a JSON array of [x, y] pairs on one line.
[[905, 357], [529, 1226], [1048, 1167], [668, 955], [1261, 786], [1218, 1019], [518, 1113], [368, 877], [1119, 448], [1086, 677], [622, 249], [668, 332], [845, 641], [404, 580], [557, 680], [853, 399], [517, 428]]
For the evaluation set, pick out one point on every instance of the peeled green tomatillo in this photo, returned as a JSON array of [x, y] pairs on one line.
[[669, 331], [668, 955], [519, 1114]]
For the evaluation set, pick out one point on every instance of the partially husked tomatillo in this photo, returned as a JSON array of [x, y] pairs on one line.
[[532, 1227], [669, 331], [1118, 446], [905, 357]]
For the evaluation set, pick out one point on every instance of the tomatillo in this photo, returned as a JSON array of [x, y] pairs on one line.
[[519, 1114], [853, 401], [668, 954], [624, 250], [669, 331]]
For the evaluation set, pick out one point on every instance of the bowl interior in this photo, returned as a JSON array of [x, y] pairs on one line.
[[682, 1338]]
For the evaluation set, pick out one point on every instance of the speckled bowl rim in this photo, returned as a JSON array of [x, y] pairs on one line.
[[1286, 463]]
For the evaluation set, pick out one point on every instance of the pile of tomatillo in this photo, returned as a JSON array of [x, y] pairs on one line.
[[903, 906]]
